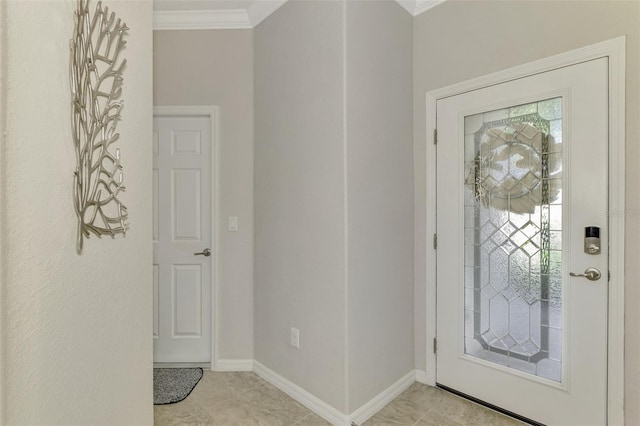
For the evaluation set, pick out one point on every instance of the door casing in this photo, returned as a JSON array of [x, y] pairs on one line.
[[213, 113], [614, 50]]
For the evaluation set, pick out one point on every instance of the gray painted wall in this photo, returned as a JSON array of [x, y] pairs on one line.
[[379, 40], [215, 67], [457, 41], [299, 197], [334, 197]]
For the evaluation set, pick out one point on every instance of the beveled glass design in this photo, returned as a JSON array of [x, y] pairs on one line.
[[513, 237]]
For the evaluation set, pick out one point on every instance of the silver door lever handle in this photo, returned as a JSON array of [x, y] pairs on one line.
[[592, 274], [205, 252]]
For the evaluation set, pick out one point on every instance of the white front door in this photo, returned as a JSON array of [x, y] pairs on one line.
[[182, 227], [521, 172]]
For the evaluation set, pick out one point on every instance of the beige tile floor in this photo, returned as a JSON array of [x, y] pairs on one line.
[[424, 405], [246, 399]]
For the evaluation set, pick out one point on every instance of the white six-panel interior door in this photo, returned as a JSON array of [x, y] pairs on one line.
[[182, 232]]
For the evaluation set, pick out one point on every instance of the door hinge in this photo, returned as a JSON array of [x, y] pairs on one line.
[[435, 136], [435, 241], [435, 345]]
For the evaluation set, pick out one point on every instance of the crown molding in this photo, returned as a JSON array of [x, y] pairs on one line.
[[222, 19], [260, 10], [408, 5], [201, 20], [424, 5], [416, 7]]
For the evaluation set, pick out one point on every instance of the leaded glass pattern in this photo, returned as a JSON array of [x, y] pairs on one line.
[[513, 237]]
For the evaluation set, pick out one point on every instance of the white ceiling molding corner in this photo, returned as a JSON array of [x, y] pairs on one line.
[[258, 11], [408, 5], [424, 5], [416, 7], [222, 19]]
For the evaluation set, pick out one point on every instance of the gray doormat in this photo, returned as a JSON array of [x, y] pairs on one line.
[[171, 385]]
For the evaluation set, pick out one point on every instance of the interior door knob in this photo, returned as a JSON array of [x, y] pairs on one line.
[[592, 274], [205, 252]]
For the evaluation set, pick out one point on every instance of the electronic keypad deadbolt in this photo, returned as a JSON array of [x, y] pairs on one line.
[[592, 240]]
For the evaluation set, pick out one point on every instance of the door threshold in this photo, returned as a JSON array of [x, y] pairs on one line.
[[203, 365], [490, 406]]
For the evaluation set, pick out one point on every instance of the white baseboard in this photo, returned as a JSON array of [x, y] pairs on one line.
[[234, 365], [314, 403], [363, 413], [204, 365], [305, 398], [423, 377]]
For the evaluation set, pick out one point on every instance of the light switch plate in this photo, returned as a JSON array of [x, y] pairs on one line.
[[233, 223], [295, 338]]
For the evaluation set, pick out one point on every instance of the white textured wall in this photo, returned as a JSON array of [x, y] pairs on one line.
[[379, 40], [215, 67], [76, 328], [458, 40], [299, 196]]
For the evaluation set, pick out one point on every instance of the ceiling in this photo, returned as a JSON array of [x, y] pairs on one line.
[[235, 14]]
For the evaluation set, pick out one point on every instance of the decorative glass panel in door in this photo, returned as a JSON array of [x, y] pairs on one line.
[[513, 237]]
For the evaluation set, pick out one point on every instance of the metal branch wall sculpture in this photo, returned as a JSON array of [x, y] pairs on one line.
[[96, 86]]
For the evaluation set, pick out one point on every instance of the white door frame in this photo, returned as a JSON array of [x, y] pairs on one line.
[[212, 112], [615, 50]]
